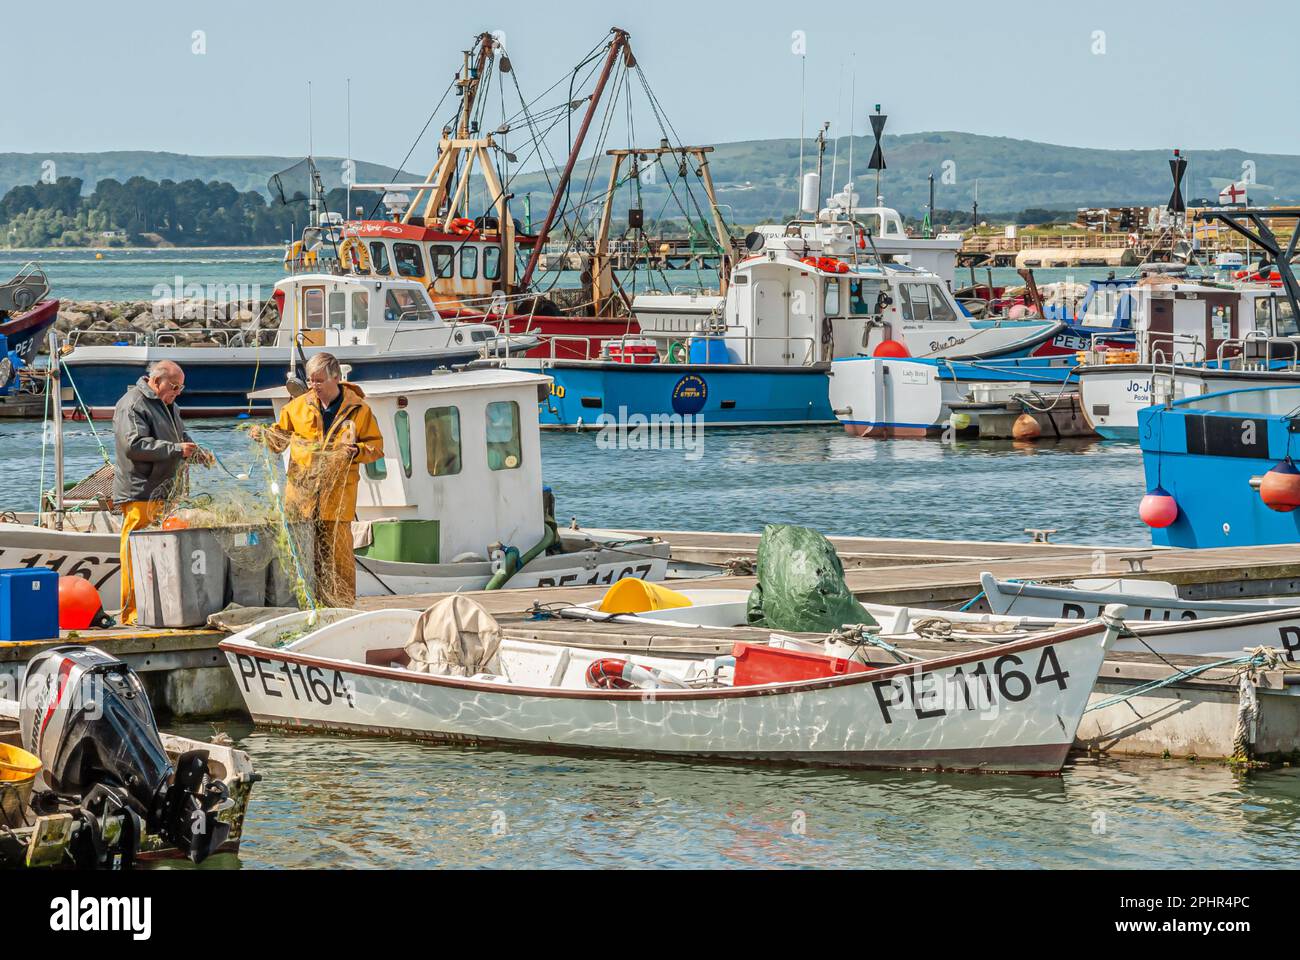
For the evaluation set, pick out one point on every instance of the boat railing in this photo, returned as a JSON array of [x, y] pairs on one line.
[[1257, 345], [596, 346], [184, 337], [1176, 358], [1193, 353]]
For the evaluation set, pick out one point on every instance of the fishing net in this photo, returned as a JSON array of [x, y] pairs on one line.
[[293, 184], [801, 584], [263, 519]]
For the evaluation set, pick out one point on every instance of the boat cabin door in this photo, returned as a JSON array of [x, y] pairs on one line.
[[771, 323], [310, 325]]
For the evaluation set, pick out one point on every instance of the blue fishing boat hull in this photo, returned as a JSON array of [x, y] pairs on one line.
[[221, 389], [1206, 459], [727, 395]]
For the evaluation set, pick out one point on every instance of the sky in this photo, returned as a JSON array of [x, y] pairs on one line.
[[230, 78]]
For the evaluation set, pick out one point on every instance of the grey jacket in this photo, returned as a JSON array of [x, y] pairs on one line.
[[148, 435]]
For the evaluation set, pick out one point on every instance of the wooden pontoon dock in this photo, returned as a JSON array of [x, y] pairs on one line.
[[1198, 717]]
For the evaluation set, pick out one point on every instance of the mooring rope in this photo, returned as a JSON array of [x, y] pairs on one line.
[[1261, 657]]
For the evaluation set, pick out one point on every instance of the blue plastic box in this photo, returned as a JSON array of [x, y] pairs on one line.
[[29, 604]]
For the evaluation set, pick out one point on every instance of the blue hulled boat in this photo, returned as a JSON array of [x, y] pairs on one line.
[[1219, 469]]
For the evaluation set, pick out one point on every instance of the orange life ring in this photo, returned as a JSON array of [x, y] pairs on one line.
[[462, 225], [615, 674]]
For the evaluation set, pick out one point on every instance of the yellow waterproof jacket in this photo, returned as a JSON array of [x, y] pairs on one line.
[[322, 479]]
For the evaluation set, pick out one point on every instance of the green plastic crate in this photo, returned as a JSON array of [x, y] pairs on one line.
[[404, 541]]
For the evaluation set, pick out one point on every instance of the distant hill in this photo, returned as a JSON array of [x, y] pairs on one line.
[[757, 179], [243, 173]]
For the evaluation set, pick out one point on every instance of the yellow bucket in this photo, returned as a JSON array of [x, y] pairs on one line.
[[18, 770], [631, 595]]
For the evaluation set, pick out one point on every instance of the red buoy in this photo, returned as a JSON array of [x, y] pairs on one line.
[[79, 605], [1158, 509], [891, 348], [1026, 428], [1280, 489]]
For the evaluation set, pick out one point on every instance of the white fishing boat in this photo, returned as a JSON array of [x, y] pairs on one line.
[[1144, 600], [1216, 634], [1010, 708], [458, 501], [380, 326], [1196, 337]]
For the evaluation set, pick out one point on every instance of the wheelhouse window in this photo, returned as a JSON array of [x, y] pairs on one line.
[[503, 447], [941, 308], [924, 303], [468, 262], [408, 260], [405, 306], [313, 308], [442, 440], [443, 258], [492, 263], [360, 309], [864, 298], [831, 299], [402, 427], [338, 309], [915, 305], [1285, 324], [379, 258]]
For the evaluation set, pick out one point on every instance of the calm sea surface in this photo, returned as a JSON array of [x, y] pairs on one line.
[[335, 801], [134, 274]]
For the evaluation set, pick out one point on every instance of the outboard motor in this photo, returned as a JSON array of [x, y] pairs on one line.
[[85, 715]]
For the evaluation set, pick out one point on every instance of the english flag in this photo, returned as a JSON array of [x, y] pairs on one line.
[[1233, 194]]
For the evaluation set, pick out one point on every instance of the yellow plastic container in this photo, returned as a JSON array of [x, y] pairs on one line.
[[631, 595], [18, 770]]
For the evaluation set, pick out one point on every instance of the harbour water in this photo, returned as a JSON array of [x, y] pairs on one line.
[[363, 802], [360, 802], [133, 274]]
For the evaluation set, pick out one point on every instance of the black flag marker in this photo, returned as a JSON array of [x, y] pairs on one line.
[[1178, 167], [877, 127]]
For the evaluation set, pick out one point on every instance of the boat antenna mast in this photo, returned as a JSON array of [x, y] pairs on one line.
[[618, 45]]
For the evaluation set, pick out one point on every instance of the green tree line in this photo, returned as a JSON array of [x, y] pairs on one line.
[[139, 211]]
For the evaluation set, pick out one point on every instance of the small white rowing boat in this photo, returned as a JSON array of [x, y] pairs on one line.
[[1145, 600], [1013, 707], [1216, 636]]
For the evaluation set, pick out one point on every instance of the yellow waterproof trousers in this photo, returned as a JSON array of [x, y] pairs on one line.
[[336, 566], [136, 514]]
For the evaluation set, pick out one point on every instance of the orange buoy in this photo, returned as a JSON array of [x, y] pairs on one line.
[[79, 604], [1025, 428], [1158, 509], [175, 523], [891, 348], [1280, 489]]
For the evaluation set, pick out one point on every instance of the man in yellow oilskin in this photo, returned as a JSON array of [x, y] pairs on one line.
[[329, 430]]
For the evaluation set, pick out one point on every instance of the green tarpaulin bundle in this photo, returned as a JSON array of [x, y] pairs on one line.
[[801, 584]]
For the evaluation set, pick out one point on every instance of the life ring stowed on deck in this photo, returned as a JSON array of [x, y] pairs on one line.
[[615, 674]]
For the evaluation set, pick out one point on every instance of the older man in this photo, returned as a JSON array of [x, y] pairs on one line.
[[151, 442], [329, 430]]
